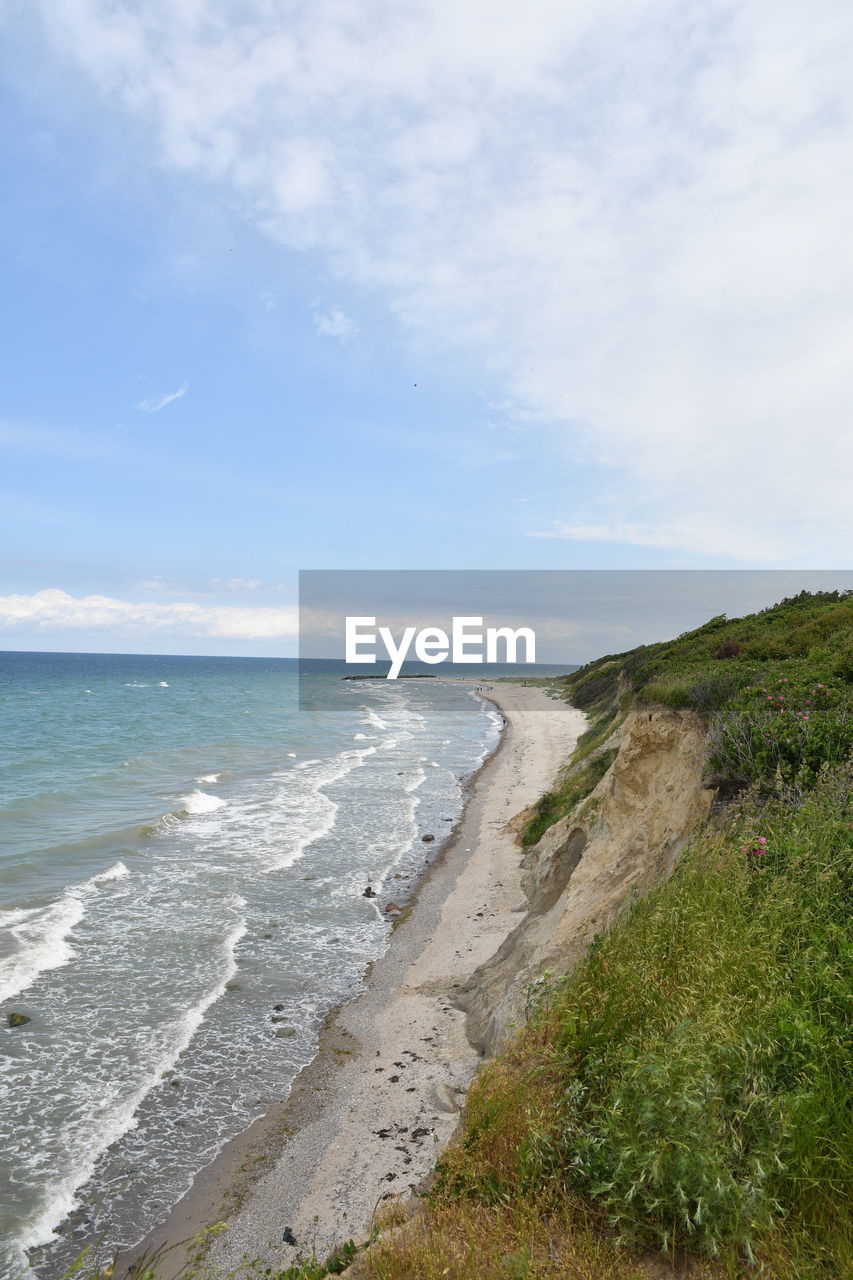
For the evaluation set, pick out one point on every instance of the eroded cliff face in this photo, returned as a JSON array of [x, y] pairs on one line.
[[623, 838]]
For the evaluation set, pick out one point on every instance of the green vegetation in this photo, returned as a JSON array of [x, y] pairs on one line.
[[776, 687], [688, 1088], [706, 668], [576, 786]]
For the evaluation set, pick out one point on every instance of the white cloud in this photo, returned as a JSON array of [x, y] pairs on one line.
[[237, 584], [334, 324], [717, 541], [156, 403], [636, 212], [53, 609]]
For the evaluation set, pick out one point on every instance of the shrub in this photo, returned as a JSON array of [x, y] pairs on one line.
[[691, 1079]]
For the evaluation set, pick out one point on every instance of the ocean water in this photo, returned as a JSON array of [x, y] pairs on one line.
[[183, 856]]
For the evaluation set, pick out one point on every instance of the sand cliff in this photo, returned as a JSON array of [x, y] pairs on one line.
[[586, 868]]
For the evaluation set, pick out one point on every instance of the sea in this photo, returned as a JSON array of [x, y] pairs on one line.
[[184, 855]]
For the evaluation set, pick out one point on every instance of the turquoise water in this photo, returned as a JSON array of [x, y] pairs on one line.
[[183, 856]]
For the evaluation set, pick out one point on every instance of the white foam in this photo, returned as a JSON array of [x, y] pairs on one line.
[[161, 684], [134, 684], [360, 737], [322, 811], [61, 1196], [208, 777], [40, 934], [116, 872], [291, 755], [201, 802], [370, 717]]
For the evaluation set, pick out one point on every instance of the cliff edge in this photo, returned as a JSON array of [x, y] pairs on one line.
[[589, 866]]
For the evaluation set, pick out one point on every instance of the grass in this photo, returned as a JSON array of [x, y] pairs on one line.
[[687, 1089], [776, 689], [575, 787]]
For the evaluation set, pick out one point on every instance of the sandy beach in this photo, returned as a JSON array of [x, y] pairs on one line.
[[369, 1115]]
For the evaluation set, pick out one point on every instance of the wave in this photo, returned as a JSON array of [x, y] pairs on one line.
[[116, 872], [417, 780], [201, 802], [40, 934], [172, 1039], [162, 684], [209, 777], [371, 718], [311, 811], [495, 719]]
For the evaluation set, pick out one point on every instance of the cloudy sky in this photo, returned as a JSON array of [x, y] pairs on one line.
[[448, 283]]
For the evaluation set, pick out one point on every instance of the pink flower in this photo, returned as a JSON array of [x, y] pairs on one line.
[[762, 839]]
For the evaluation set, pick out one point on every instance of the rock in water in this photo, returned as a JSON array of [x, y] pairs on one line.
[[426, 839], [369, 893], [16, 1019]]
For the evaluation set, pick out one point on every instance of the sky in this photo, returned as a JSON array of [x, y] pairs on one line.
[[348, 284]]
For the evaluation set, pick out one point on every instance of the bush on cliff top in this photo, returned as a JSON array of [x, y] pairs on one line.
[[776, 686]]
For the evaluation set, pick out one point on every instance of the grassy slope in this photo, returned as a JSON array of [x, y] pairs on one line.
[[775, 685]]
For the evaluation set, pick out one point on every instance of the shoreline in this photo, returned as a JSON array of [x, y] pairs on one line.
[[366, 1119]]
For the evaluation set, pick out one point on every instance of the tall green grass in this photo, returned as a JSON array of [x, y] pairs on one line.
[[692, 1078]]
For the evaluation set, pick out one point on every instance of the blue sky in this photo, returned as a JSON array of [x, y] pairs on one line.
[[346, 285]]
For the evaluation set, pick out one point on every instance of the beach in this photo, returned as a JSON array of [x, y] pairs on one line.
[[367, 1118]]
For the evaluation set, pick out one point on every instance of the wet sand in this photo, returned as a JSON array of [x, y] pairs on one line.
[[367, 1118]]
